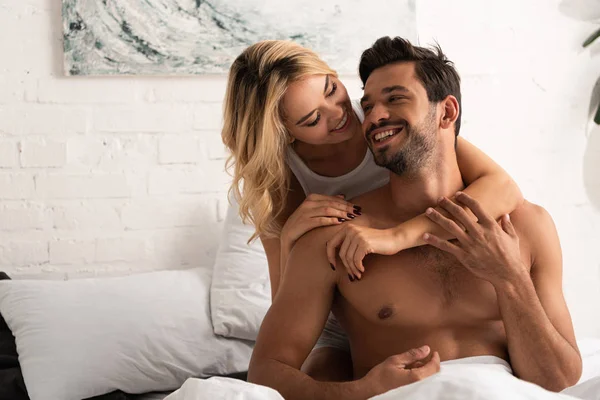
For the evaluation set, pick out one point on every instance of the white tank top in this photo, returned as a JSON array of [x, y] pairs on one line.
[[364, 178]]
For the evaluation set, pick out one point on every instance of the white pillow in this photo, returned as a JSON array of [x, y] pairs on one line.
[[140, 333], [240, 294]]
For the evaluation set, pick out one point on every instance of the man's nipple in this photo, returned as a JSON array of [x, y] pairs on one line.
[[385, 312]]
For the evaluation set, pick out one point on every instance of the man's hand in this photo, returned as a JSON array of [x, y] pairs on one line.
[[403, 369], [490, 250]]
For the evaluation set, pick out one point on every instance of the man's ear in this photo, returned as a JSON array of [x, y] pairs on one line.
[[450, 111]]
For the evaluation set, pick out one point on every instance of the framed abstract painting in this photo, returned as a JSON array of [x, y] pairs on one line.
[[187, 37]]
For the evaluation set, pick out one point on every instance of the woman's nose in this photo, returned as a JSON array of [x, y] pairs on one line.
[[336, 111]]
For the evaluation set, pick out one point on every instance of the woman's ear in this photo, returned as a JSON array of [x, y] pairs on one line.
[[450, 111]]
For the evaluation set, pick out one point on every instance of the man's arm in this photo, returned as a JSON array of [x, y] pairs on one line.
[[293, 324], [539, 331], [541, 340]]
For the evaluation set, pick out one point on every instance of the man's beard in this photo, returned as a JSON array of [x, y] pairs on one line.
[[415, 152]]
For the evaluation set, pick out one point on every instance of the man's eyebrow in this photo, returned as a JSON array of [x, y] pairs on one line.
[[390, 89], [311, 113], [386, 90]]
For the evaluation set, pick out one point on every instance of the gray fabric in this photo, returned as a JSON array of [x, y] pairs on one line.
[[333, 335]]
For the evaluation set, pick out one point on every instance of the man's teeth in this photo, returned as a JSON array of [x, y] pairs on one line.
[[342, 122], [382, 135]]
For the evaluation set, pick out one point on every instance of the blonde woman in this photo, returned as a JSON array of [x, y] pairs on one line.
[[299, 156]]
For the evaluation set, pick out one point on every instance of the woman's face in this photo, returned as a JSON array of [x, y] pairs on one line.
[[317, 111]]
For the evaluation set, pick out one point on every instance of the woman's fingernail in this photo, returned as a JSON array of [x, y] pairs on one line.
[[332, 267], [357, 208], [459, 194], [341, 220], [429, 210], [351, 216], [351, 278], [441, 199], [426, 236]]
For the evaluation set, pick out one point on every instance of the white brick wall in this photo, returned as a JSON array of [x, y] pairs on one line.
[[112, 175], [43, 153], [101, 175]]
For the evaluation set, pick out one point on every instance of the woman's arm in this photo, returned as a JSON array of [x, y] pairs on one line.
[[276, 251], [301, 214], [486, 182]]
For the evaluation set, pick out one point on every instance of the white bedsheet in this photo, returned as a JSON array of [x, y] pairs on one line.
[[478, 378], [223, 389], [484, 382]]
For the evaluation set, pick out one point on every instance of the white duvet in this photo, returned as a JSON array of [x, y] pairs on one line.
[[456, 381], [463, 383]]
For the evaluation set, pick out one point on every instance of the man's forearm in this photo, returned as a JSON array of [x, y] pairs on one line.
[[293, 384], [538, 352]]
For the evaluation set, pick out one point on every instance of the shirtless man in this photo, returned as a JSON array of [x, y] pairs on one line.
[[494, 291]]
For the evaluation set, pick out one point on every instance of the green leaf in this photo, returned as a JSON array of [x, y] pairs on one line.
[[591, 39], [597, 117]]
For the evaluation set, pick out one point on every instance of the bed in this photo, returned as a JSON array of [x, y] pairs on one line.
[[152, 335]]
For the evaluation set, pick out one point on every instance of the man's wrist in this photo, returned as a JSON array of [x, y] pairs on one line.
[[513, 282]]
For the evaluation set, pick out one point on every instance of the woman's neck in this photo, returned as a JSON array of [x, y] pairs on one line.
[[333, 159]]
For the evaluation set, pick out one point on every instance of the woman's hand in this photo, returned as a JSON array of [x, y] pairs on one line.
[[315, 211], [355, 242]]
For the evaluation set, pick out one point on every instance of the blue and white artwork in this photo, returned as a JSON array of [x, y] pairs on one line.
[[169, 37]]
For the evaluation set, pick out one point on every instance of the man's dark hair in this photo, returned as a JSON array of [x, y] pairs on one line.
[[433, 69]]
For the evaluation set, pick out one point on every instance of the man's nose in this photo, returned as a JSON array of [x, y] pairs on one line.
[[378, 114]]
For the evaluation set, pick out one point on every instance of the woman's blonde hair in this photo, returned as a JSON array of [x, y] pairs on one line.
[[254, 131]]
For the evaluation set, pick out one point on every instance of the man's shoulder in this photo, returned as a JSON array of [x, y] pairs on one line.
[[308, 261], [530, 216], [316, 238], [371, 197], [533, 223]]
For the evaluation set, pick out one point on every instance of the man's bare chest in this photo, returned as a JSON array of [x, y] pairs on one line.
[[419, 287]]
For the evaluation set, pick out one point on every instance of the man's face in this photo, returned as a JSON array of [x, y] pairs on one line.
[[400, 123]]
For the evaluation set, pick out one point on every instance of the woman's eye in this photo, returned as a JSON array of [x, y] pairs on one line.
[[316, 121], [333, 89]]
